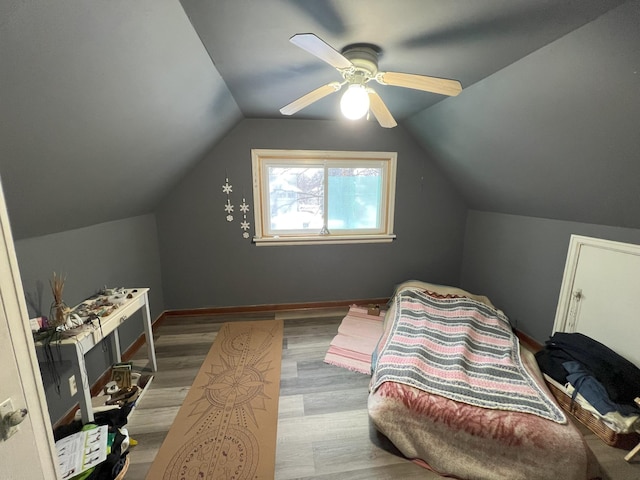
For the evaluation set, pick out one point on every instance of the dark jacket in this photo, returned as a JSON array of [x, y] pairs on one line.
[[620, 377]]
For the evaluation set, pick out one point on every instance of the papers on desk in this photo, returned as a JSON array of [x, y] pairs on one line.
[[82, 451]]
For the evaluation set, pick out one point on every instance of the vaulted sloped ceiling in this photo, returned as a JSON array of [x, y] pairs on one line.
[[554, 135], [105, 105]]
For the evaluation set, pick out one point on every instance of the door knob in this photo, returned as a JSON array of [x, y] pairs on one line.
[[10, 419], [15, 418]]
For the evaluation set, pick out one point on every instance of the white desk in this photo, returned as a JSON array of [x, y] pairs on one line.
[[78, 341]]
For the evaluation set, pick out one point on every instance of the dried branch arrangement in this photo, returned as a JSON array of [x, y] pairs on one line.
[[59, 310]]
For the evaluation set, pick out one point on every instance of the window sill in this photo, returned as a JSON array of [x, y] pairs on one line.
[[322, 240]]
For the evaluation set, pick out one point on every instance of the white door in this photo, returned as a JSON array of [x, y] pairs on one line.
[[29, 454], [600, 295]]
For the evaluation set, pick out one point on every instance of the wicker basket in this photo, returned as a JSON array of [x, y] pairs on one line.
[[123, 472], [606, 434]]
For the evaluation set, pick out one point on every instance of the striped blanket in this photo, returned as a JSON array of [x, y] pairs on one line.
[[460, 349]]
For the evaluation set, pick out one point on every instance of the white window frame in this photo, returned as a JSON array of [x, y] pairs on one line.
[[261, 159]]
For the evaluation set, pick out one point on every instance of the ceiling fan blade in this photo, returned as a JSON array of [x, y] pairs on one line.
[[315, 46], [380, 110], [442, 86], [309, 98]]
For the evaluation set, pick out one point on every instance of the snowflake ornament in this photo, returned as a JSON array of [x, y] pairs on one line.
[[244, 225], [227, 189]]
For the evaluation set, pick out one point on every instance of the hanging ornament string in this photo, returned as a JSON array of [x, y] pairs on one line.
[[244, 225], [227, 189]]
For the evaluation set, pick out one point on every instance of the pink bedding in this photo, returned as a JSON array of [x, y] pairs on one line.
[[464, 441]]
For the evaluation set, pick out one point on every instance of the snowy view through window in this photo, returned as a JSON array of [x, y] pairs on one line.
[[312, 197], [297, 198]]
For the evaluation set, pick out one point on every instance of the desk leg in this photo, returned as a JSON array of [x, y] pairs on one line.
[[151, 349], [116, 345], [82, 381]]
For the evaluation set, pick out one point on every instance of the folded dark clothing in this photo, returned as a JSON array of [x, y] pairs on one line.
[[620, 377], [550, 363], [593, 391]]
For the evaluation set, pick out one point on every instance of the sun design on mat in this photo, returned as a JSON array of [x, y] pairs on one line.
[[233, 387]]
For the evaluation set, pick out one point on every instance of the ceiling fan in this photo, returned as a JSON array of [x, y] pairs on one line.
[[358, 65]]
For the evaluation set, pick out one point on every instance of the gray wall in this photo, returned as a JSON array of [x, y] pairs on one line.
[[519, 261], [206, 262], [123, 253]]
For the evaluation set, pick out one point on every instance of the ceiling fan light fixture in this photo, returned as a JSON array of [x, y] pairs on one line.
[[358, 65], [355, 102]]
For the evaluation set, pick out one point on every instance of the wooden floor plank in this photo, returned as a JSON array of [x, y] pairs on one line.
[[289, 368], [196, 338], [358, 454], [291, 406], [326, 402], [165, 397]]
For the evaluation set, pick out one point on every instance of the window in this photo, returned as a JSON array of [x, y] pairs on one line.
[[313, 197]]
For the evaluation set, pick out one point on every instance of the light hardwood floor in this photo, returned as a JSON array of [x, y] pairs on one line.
[[323, 427]]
